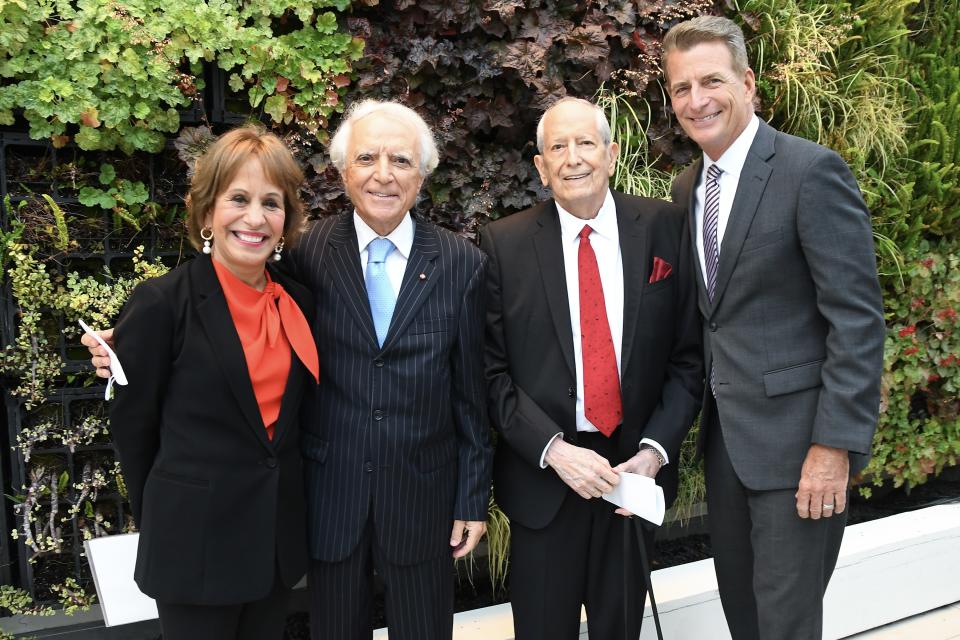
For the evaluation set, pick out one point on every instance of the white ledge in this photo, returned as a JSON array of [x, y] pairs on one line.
[[888, 569]]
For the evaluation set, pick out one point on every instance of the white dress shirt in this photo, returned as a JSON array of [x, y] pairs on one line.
[[605, 240], [731, 162], [396, 262]]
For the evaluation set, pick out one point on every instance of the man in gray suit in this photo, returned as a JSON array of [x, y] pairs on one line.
[[792, 331]]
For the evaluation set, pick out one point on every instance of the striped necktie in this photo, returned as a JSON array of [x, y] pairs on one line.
[[711, 216]]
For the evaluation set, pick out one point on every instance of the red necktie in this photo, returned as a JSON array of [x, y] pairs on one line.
[[601, 382]]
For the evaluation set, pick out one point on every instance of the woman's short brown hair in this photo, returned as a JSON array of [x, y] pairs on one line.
[[217, 167]]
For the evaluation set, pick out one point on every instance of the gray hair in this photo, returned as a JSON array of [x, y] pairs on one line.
[[704, 29], [429, 157], [603, 127]]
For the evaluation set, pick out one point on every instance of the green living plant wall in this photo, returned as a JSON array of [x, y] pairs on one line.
[[112, 74]]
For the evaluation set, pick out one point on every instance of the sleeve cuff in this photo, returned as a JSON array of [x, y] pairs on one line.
[[655, 445], [543, 456]]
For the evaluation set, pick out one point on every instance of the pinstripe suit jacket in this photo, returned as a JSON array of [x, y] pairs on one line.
[[396, 434]]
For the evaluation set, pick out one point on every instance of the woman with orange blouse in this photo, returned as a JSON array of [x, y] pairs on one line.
[[218, 354]]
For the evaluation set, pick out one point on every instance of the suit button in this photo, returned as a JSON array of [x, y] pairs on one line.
[[571, 393], [368, 467], [378, 415], [713, 326], [271, 463], [378, 362]]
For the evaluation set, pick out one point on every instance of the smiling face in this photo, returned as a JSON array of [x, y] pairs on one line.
[[247, 223], [713, 102], [575, 162], [382, 176]]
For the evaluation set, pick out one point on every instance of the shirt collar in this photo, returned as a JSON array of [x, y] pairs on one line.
[[401, 236], [604, 223], [733, 159]]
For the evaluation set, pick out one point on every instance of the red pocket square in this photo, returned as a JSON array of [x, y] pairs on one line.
[[661, 269]]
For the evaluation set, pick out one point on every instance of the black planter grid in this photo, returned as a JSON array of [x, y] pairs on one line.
[[66, 408]]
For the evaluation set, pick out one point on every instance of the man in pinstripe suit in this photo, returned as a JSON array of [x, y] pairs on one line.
[[592, 281], [397, 443]]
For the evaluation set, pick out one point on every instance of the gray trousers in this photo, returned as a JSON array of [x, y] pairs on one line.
[[772, 566]]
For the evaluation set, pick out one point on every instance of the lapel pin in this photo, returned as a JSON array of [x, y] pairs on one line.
[[423, 276]]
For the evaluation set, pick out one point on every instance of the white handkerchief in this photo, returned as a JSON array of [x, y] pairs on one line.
[[640, 495], [116, 371]]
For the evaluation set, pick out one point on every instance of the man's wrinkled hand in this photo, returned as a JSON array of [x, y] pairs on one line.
[[585, 471], [823, 482], [465, 536], [644, 462], [99, 358]]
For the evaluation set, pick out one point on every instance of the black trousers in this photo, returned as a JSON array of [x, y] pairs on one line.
[[577, 559], [419, 597], [263, 619], [772, 565]]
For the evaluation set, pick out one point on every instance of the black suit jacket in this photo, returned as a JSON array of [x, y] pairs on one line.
[[397, 435], [218, 504], [529, 352]]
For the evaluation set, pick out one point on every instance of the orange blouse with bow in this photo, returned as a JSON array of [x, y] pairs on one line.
[[269, 323]]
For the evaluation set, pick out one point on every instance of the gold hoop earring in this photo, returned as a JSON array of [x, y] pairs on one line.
[[207, 235]]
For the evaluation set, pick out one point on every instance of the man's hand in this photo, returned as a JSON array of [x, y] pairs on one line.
[[99, 359], [584, 471], [823, 482], [465, 536], [644, 462]]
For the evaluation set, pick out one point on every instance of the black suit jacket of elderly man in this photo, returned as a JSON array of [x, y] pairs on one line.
[[531, 369], [397, 437], [795, 338]]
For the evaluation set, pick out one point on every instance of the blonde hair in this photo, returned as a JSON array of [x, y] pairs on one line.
[[219, 165]]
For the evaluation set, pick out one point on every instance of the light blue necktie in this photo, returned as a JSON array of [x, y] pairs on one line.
[[379, 291]]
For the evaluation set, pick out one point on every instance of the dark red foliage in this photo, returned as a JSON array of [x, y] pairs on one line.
[[482, 71]]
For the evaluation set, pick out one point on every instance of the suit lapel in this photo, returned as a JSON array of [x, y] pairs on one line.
[[299, 376], [419, 279], [548, 243], [753, 180], [347, 274], [222, 334], [634, 250]]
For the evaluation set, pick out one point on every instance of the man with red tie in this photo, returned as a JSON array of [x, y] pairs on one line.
[[594, 368]]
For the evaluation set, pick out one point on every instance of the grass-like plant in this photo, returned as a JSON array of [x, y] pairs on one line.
[[636, 172]]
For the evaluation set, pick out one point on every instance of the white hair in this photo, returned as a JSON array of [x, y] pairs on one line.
[[603, 127], [429, 156]]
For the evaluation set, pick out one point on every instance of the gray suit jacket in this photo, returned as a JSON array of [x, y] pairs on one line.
[[795, 331]]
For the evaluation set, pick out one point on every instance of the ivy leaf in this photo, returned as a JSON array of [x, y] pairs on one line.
[[93, 197], [107, 174], [276, 107], [88, 117], [88, 138], [528, 58], [588, 44], [134, 192], [141, 110], [505, 8], [235, 83]]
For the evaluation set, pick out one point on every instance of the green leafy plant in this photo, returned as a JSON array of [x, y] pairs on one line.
[[919, 431], [127, 199], [113, 74]]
